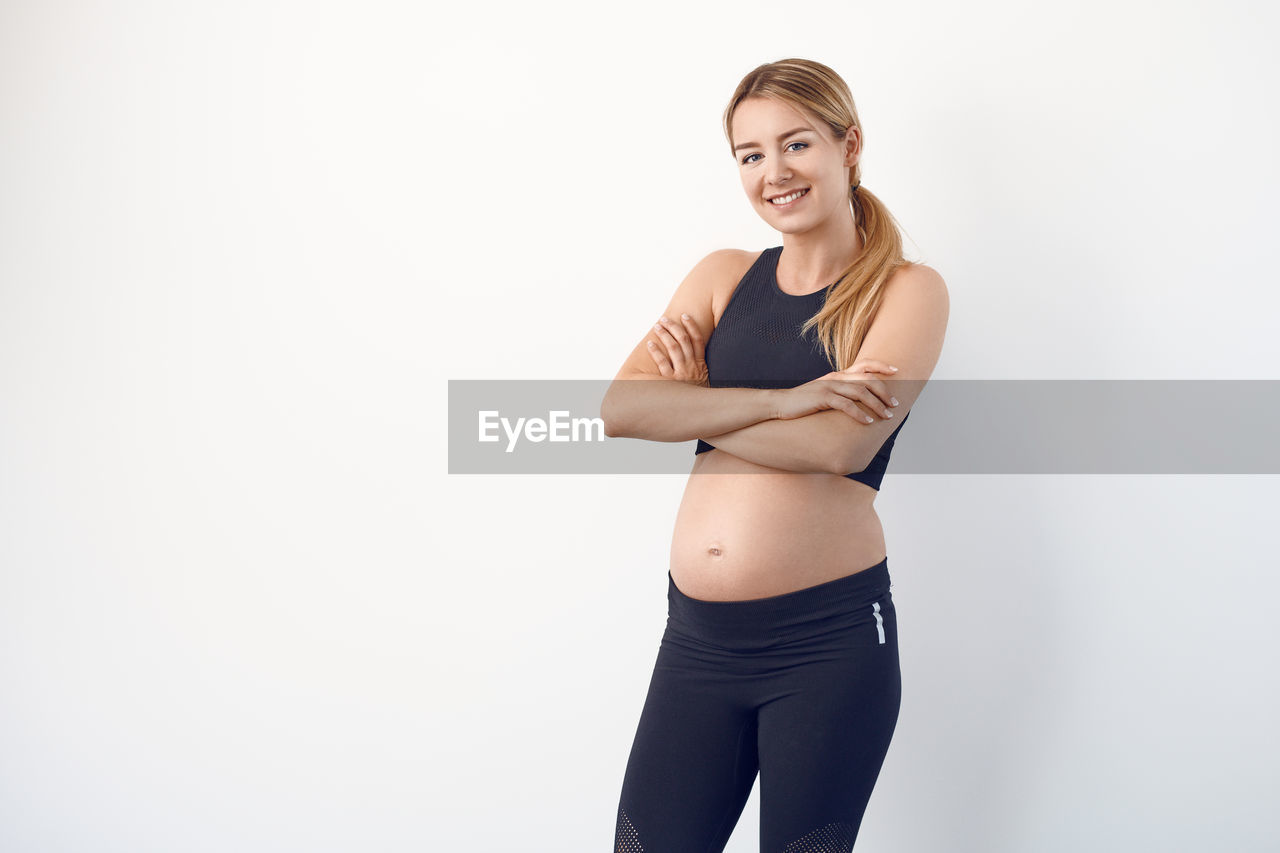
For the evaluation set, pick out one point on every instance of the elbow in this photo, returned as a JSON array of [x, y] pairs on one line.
[[848, 460], [612, 418], [621, 411], [612, 429], [607, 415]]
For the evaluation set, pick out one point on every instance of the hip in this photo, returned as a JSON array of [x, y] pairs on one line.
[[854, 612]]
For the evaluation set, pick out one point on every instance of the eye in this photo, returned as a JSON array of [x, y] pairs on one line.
[[802, 145]]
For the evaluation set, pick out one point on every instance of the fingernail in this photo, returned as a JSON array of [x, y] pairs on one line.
[[893, 400], [684, 316], [663, 318], [891, 367]]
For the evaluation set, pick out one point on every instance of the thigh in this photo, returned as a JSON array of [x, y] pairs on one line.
[[823, 741], [693, 761]]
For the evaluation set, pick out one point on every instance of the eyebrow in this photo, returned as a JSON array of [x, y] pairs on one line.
[[780, 138]]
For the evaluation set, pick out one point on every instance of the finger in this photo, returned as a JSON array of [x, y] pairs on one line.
[[850, 408], [872, 365], [674, 351], [664, 335], [681, 335], [876, 385], [695, 335], [660, 359], [864, 393], [882, 390]]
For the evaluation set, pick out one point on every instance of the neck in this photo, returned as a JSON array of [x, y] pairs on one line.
[[814, 259]]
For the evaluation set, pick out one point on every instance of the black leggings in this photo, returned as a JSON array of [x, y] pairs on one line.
[[802, 688]]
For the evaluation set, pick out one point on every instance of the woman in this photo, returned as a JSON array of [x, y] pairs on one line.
[[781, 650]]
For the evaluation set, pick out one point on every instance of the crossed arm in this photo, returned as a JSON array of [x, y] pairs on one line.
[[908, 331], [818, 442], [743, 422]]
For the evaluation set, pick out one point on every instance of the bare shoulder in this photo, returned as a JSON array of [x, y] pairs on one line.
[[726, 269], [702, 295], [910, 324], [915, 294], [713, 279], [918, 282]]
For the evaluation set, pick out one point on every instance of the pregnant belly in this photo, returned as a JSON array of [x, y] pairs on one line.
[[746, 531]]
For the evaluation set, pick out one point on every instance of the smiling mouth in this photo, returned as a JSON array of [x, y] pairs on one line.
[[783, 200]]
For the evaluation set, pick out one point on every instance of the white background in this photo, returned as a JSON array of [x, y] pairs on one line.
[[243, 247]]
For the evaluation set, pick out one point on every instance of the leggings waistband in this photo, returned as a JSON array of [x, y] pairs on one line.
[[758, 621]]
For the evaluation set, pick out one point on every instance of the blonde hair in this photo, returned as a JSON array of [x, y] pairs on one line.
[[852, 301]]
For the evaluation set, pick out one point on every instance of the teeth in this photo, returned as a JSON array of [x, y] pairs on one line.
[[786, 199]]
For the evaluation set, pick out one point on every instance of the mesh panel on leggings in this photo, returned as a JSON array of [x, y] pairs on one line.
[[832, 838], [625, 839]]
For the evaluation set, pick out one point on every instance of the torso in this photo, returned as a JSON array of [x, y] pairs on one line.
[[740, 537]]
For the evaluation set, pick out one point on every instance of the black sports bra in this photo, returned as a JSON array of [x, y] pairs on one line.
[[757, 344]]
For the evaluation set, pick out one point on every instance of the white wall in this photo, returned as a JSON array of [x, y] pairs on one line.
[[244, 245]]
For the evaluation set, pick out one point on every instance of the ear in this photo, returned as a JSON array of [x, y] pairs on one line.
[[852, 146]]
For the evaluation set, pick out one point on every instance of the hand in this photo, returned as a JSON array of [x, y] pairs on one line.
[[849, 390], [681, 355]]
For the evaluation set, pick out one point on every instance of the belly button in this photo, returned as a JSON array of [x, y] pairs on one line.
[[715, 552]]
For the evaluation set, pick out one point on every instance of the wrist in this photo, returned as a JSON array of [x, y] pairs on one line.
[[768, 403]]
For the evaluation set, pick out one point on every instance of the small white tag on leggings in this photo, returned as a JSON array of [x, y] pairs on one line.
[[879, 621]]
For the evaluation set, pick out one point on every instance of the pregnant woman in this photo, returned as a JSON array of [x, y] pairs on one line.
[[795, 368]]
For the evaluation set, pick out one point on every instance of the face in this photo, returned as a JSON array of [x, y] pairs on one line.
[[782, 150]]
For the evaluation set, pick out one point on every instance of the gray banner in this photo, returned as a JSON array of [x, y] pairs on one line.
[[956, 427]]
